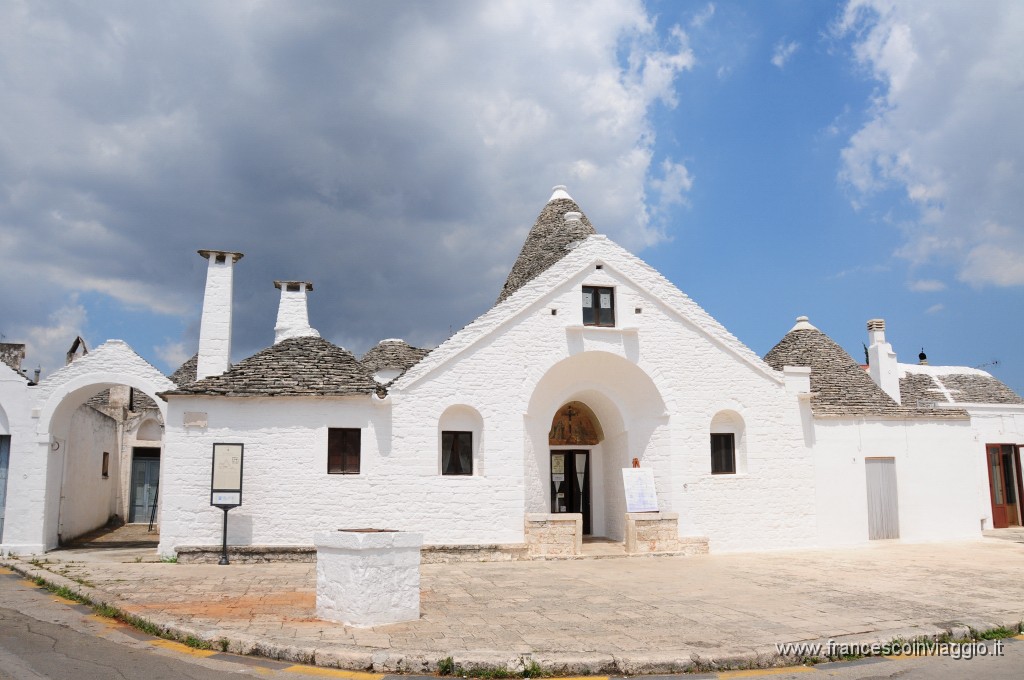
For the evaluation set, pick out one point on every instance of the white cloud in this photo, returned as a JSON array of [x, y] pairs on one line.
[[935, 309], [926, 286], [945, 129], [701, 18], [674, 183], [174, 354], [46, 345], [783, 52], [336, 142]]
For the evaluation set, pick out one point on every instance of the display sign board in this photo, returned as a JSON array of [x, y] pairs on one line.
[[226, 481], [640, 493]]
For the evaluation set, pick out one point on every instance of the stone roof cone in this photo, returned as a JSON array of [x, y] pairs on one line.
[[556, 227]]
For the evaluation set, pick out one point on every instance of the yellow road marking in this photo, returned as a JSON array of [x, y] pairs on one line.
[[333, 673], [184, 649], [63, 600], [588, 677], [1018, 637], [5, 570], [754, 672], [26, 582]]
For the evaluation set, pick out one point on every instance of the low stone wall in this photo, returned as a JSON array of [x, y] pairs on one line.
[[499, 552], [554, 535], [245, 554], [652, 532], [430, 554]]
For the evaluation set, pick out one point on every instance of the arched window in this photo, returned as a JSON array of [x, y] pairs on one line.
[[460, 434], [728, 444]]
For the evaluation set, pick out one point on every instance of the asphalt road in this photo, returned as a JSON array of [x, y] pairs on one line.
[[43, 637]]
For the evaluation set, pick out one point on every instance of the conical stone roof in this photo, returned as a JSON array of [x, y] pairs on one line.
[[546, 243], [393, 353], [839, 385], [296, 367]]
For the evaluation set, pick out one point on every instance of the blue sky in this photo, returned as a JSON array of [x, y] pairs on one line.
[[845, 160]]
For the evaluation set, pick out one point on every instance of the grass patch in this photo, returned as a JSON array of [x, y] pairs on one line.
[[169, 559], [448, 667], [1000, 633], [196, 643]]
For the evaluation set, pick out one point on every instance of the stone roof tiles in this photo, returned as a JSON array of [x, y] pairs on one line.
[[546, 243], [841, 388], [296, 367], [186, 373], [393, 353], [953, 385]]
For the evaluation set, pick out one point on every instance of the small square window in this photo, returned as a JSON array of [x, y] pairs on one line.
[[723, 454], [598, 306], [456, 453], [343, 444]]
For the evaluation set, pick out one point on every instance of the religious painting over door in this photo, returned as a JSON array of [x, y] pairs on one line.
[[575, 425]]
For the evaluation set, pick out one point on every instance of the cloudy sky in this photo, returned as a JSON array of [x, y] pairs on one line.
[[843, 160]]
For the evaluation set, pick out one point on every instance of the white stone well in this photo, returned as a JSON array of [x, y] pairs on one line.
[[368, 577]]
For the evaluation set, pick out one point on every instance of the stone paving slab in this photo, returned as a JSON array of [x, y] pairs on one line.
[[628, 616]]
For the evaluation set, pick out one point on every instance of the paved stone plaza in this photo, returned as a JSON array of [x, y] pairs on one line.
[[652, 614]]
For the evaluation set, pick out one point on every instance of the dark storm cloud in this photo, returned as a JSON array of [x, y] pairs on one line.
[[392, 153]]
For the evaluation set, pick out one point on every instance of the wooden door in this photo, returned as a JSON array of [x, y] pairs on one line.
[[883, 501], [1004, 484]]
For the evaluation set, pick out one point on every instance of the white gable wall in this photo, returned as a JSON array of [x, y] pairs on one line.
[[662, 376]]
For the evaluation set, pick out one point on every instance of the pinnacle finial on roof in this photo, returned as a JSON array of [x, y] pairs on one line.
[[559, 191], [802, 324]]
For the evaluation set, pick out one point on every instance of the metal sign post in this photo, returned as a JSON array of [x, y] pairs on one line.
[[226, 485]]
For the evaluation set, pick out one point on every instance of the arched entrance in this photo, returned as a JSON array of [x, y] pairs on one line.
[[592, 413], [89, 414], [575, 431]]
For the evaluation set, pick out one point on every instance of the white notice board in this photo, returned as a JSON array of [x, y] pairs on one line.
[[640, 493], [226, 482]]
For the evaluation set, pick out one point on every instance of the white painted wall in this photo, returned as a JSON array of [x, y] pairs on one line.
[[934, 472], [88, 500], [26, 481]]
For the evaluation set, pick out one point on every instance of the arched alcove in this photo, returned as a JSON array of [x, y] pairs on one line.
[[730, 423], [628, 418], [575, 425], [460, 431], [150, 430]]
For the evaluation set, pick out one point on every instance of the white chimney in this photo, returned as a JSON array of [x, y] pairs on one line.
[[215, 327], [293, 314], [882, 365]]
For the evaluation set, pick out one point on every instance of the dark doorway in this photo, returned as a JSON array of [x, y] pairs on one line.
[[570, 484], [145, 484]]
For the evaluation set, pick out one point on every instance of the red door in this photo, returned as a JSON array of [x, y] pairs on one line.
[[1004, 484]]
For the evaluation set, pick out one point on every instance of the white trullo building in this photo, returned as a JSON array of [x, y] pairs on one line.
[[509, 440]]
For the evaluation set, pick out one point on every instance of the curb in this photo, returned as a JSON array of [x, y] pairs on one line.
[[556, 664]]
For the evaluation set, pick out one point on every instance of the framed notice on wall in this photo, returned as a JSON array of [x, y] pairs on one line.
[[640, 493], [226, 480]]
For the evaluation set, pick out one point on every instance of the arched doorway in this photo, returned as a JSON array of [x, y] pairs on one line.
[[575, 431], [87, 413], [592, 413]]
